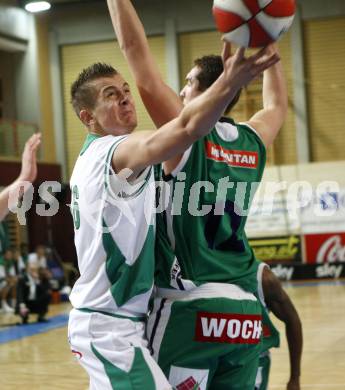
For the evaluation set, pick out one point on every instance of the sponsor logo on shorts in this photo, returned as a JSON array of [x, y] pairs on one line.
[[234, 158], [184, 378], [189, 384], [228, 328]]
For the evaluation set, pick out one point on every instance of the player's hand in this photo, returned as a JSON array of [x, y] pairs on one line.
[[240, 70], [293, 384], [29, 159]]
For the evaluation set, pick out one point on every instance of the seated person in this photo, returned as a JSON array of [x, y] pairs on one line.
[[39, 257], [21, 255], [33, 294]]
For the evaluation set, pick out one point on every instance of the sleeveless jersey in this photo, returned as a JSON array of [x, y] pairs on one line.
[[201, 237], [270, 334], [114, 233]]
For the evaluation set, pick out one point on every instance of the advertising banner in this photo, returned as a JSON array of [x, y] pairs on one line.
[[277, 249], [324, 248], [309, 271]]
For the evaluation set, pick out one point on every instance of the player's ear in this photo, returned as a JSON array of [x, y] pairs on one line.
[[86, 117]]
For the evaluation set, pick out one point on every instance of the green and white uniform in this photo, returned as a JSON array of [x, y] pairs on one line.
[[270, 338], [114, 239], [206, 272]]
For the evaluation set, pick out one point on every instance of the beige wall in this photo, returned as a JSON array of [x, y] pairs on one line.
[[325, 80], [46, 108]]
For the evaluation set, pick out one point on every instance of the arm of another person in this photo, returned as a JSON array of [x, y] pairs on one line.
[[280, 304], [28, 174], [161, 102], [195, 120], [268, 121]]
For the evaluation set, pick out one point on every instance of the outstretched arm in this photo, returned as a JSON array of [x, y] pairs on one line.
[[268, 121], [28, 174], [161, 102], [282, 307], [196, 119]]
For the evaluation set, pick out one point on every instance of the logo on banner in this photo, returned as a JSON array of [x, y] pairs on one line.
[[228, 328], [234, 158], [325, 248], [329, 271], [283, 273], [285, 248]]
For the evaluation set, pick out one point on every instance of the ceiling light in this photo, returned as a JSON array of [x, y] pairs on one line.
[[37, 6]]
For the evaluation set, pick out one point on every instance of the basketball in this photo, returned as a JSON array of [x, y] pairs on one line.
[[253, 23]]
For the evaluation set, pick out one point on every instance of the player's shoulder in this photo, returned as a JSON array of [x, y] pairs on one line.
[[231, 131], [99, 143]]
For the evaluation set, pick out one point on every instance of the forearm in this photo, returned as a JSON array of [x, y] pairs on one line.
[[274, 90], [194, 122], [129, 30], [295, 342]]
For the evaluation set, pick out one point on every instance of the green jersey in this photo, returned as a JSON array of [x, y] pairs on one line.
[[201, 237]]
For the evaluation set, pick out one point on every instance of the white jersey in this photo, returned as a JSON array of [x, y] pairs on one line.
[[114, 233]]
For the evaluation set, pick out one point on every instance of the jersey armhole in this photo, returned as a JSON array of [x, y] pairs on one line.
[[182, 162], [259, 279], [117, 188], [254, 131]]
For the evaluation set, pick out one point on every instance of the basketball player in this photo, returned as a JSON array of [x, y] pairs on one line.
[[194, 338], [274, 299], [113, 208], [28, 173]]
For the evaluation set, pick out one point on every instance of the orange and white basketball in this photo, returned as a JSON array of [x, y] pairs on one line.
[[253, 23]]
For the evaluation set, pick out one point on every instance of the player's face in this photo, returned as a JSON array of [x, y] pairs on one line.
[[114, 111], [191, 89]]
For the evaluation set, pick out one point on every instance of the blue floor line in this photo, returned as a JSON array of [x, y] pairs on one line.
[[18, 332]]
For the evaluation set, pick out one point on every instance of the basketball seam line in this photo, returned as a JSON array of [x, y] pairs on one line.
[[251, 18]]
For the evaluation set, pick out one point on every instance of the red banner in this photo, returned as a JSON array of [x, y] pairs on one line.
[[325, 248]]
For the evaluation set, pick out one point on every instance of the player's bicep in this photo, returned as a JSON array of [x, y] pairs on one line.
[[267, 123]]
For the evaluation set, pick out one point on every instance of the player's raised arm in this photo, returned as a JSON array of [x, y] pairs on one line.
[[161, 102], [28, 174], [282, 307], [196, 119], [268, 121]]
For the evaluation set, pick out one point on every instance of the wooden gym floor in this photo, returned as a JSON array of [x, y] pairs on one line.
[[36, 358]]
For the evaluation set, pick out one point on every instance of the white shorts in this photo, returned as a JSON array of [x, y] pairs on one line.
[[114, 352]]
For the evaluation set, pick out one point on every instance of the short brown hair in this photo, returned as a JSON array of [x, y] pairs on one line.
[[211, 67], [82, 92]]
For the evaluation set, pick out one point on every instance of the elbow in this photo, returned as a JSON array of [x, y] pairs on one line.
[[191, 130]]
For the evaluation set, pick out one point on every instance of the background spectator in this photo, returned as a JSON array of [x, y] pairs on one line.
[[33, 293]]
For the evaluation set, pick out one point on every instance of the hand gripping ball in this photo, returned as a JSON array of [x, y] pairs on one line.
[[253, 23]]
